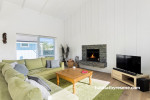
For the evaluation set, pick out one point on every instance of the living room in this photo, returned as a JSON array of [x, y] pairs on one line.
[[110, 28]]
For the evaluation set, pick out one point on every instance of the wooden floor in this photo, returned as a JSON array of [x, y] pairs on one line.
[[127, 94]]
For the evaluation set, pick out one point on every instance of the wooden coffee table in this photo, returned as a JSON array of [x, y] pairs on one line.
[[73, 75]]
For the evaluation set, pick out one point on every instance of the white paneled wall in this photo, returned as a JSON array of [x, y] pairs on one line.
[[124, 25]]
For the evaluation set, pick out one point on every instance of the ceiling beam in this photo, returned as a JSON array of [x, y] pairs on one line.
[[43, 6], [23, 3]]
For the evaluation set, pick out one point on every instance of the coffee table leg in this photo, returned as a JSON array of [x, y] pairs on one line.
[[90, 79], [57, 79], [74, 89]]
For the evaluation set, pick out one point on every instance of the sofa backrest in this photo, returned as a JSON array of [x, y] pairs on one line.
[[18, 88], [31, 63], [11, 61], [34, 63], [8, 72]]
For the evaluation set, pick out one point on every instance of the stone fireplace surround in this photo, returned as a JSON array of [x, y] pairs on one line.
[[102, 54]]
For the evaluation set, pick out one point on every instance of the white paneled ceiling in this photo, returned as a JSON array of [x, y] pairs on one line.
[[56, 8]]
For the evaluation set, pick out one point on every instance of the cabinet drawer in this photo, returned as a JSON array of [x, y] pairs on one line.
[[116, 74]]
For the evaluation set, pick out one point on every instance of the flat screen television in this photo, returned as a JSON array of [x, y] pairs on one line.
[[129, 63]]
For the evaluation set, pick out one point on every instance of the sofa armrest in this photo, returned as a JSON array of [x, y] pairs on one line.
[[62, 65]]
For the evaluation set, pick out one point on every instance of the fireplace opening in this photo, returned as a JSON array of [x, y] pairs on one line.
[[93, 55]]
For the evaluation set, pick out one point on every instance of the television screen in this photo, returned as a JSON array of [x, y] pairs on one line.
[[129, 63]]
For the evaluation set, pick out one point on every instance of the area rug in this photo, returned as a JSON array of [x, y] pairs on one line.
[[95, 91]]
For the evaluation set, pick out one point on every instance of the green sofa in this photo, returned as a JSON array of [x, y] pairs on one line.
[[13, 86]]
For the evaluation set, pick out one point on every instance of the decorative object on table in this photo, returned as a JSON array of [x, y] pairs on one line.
[[65, 54], [4, 36], [74, 67], [77, 60], [84, 71], [70, 63]]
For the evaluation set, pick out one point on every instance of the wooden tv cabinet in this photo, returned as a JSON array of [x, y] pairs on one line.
[[127, 78]]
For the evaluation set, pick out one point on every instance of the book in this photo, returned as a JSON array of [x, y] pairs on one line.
[[84, 71]]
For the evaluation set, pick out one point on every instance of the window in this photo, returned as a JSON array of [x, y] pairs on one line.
[[46, 47], [30, 47], [24, 44]]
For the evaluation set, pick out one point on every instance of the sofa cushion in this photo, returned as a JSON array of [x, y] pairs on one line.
[[33, 63], [55, 64], [13, 73], [47, 73], [21, 90], [1, 65], [22, 69], [38, 70], [4, 93], [9, 72], [48, 63], [11, 61], [44, 60]]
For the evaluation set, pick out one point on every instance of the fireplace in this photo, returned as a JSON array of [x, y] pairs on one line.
[[93, 55], [100, 51]]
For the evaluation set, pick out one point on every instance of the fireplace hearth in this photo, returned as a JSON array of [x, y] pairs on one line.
[[93, 55]]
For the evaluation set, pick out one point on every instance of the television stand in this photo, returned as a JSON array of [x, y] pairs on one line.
[[127, 78]]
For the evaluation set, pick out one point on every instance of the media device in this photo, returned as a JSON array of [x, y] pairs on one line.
[[143, 83], [130, 64]]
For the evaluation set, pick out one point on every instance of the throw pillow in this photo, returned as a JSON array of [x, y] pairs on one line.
[[48, 63], [13, 64], [44, 91], [40, 81], [55, 63], [22, 69]]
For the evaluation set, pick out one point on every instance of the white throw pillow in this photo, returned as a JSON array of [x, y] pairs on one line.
[[45, 93], [55, 63], [13, 64]]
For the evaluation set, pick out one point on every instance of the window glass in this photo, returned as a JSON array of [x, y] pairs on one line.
[[46, 47], [30, 47]]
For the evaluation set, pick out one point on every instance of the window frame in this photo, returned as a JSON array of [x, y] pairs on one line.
[[22, 45], [38, 44]]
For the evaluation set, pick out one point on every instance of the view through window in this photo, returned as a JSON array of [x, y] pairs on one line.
[[30, 47]]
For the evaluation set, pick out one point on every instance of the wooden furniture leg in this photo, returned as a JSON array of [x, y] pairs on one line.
[[90, 79], [57, 79], [74, 89]]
